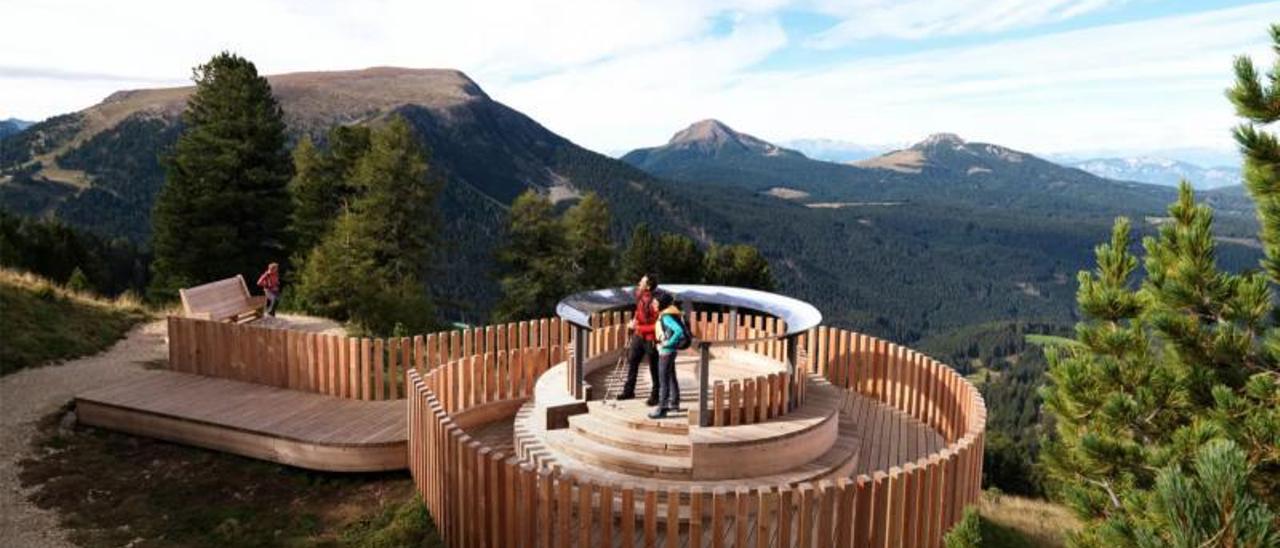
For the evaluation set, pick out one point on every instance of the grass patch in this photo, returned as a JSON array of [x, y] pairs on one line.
[[1051, 340], [112, 489], [1015, 522], [44, 322]]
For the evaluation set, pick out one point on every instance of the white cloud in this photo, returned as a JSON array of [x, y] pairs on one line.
[[915, 19], [616, 75], [1137, 85]]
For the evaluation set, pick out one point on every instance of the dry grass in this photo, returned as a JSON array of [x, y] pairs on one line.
[[43, 322], [127, 301], [1027, 522]]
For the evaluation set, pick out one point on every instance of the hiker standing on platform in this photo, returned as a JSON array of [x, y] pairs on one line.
[[643, 336], [269, 281], [673, 335]]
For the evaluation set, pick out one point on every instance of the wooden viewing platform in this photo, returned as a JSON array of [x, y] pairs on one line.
[[802, 437], [276, 424]]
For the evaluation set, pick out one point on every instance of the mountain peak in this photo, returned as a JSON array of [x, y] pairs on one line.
[[714, 137], [948, 139], [709, 130]]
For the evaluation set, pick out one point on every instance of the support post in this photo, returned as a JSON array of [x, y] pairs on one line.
[[704, 376], [793, 359], [577, 358]]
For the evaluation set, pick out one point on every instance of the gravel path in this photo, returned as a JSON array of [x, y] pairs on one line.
[[31, 394]]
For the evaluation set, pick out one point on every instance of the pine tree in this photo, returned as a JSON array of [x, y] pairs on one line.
[[738, 265], [1167, 416], [224, 207], [642, 256], [372, 267], [1210, 506], [681, 259], [536, 266], [591, 252], [322, 183]]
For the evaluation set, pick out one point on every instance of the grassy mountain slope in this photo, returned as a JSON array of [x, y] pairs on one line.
[[100, 168], [895, 253], [44, 322]]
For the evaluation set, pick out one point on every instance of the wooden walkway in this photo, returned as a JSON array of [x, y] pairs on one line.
[[277, 424]]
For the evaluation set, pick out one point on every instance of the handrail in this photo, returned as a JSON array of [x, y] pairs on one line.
[[483, 496]]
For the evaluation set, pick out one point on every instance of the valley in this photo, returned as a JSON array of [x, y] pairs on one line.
[[912, 243]]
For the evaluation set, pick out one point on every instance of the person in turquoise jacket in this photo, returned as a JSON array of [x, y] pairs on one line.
[[669, 334]]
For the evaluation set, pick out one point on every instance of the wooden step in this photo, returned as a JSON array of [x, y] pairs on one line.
[[591, 452], [632, 439], [633, 414]]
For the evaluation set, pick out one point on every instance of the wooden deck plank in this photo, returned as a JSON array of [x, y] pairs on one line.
[[218, 410]]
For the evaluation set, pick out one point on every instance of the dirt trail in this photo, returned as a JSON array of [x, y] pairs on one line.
[[30, 394]]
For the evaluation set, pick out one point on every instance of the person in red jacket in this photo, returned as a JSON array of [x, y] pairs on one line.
[[269, 281], [642, 340]]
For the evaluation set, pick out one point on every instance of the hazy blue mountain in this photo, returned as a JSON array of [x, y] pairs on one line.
[[12, 126], [1161, 171], [833, 150]]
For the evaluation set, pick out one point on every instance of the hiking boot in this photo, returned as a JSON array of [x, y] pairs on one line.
[[659, 413], [652, 401], [627, 396]]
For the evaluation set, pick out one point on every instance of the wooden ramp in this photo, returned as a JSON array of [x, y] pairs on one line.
[[286, 426]]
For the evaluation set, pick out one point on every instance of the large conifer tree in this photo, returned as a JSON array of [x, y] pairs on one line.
[[590, 248], [1168, 413], [224, 207], [322, 184], [642, 255], [372, 267], [535, 260]]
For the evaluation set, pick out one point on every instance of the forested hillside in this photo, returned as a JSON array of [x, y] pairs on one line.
[[897, 253]]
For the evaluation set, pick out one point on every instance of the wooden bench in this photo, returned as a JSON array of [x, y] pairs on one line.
[[224, 300]]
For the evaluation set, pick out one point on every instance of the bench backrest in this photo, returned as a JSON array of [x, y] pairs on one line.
[[221, 299]]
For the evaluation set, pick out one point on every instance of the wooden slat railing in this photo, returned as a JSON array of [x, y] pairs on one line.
[[479, 496], [336, 365]]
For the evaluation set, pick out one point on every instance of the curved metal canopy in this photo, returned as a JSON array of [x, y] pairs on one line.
[[799, 315]]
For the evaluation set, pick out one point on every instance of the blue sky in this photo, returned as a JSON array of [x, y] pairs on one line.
[[1048, 76]]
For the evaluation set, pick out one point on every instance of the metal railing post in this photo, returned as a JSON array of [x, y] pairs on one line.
[[579, 357], [704, 375]]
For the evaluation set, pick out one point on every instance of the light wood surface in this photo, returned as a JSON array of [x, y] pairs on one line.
[[222, 300], [913, 428], [280, 425]]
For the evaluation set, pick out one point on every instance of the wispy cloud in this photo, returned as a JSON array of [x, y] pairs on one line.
[[620, 74], [917, 19]]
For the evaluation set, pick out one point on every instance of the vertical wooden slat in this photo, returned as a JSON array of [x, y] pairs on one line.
[[863, 511], [585, 523], [695, 517], [672, 524], [786, 500], [650, 517], [366, 366], [805, 523], [718, 502], [628, 516]]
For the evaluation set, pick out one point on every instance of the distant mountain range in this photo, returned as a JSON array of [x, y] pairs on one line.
[[942, 168], [920, 240], [1161, 171], [12, 126], [833, 150], [1204, 169]]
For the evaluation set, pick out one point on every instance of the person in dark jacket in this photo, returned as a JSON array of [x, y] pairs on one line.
[[670, 332], [642, 328], [269, 281]]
